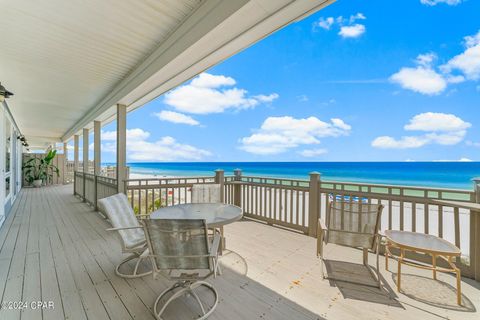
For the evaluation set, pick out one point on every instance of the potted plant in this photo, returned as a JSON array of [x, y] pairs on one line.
[[39, 170]]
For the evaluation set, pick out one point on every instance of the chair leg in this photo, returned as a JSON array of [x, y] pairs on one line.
[[186, 288], [365, 256], [135, 273]]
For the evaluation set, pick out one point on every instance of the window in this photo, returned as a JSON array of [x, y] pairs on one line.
[[8, 155], [8, 147]]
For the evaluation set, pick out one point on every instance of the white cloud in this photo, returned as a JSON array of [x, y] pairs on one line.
[[459, 160], [176, 117], [347, 26], [266, 98], [423, 78], [433, 121], [468, 62], [435, 2], [164, 149], [426, 59], [440, 128], [386, 142], [353, 31], [206, 80], [213, 94], [310, 153], [279, 134], [324, 23]]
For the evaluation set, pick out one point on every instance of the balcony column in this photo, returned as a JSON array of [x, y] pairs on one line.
[[65, 160], [121, 168], [97, 125], [85, 150], [75, 152], [313, 203]]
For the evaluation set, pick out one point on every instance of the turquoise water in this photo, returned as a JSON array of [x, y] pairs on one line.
[[429, 174]]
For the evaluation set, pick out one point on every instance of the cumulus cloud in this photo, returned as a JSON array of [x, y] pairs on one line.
[[324, 23], [164, 149], [279, 134], [209, 93], [468, 62], [435, 2], [310, 153], [348, 27], [439, 128], [353, 31], [426, 79], [176, 117], [423, 78]]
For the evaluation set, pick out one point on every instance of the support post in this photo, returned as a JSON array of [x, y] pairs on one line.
[[97, 125], [65, 161], [219, 179], [475, 231], [313, 203], [121, 168], [85, 150], [75, 152], [237, 187]]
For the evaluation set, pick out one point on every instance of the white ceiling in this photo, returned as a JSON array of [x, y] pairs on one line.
[[69, 62]]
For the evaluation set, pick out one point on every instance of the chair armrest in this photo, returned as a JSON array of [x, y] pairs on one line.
[[215, 245], [123, 228]]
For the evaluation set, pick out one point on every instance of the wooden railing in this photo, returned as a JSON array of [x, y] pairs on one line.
[[147, 195], [92, 187], [298, 204]]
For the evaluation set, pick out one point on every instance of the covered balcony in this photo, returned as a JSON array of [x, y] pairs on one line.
[[54, 249], [76, 66]]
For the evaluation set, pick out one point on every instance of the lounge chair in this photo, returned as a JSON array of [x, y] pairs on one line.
[[351, 224], [131, 235]]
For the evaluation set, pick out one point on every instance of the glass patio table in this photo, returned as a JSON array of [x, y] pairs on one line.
[[216, 215], [422, 243]]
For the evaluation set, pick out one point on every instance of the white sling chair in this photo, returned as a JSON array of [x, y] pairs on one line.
[[181, 251], [209, 193], [351, 224], [131, 235]]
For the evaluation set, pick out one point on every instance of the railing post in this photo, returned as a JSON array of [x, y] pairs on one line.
[[237, 187], [83, 194], [219, 179], [313, 203], [74, 182], [95, 195], [475, 232]]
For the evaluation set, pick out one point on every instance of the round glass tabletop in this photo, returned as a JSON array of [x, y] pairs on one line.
[[215, 214], [421, 242]]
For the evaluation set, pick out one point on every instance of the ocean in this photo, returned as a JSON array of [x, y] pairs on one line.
[[457, 175]]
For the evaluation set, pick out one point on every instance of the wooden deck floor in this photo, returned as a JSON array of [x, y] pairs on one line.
[[55, 248]]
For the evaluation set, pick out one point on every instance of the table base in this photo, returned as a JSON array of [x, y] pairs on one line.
[[402, 260]]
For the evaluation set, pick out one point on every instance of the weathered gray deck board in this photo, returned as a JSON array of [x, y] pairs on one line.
[[54, 247]]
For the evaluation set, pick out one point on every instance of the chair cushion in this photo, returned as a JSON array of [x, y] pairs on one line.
[[121, 215]]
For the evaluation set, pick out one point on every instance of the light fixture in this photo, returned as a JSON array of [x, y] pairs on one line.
[[4, 93]]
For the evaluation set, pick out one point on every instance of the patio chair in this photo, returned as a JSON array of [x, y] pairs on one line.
[[181, 251], [206, 193], [130, 232], [351, 224], [209, 193]]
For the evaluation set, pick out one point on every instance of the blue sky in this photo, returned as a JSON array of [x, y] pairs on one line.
[[358, 81]]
